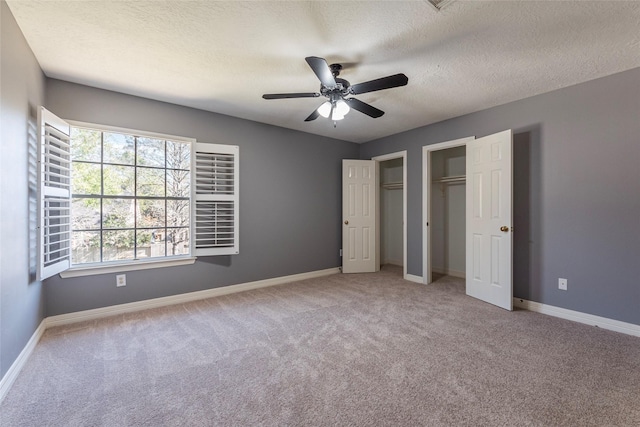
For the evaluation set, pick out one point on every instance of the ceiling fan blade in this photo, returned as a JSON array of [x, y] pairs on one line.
[[322, 70], [365, 108], [290, 95], [379, 84], [312, 116]]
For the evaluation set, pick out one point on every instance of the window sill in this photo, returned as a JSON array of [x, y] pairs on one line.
[[130, 266]]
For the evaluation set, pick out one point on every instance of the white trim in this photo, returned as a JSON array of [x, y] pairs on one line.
[[577, 316], [412, 278], [130, 266], [398, 155], [80, 316], [426, 194], [449, 272], [134, 132], [11, 375]]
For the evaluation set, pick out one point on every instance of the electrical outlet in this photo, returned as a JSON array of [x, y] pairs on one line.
[[121, 280], [562, 284]]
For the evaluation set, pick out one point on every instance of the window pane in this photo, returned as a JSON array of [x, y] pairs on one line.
[[117, 245], [119, 148], [151, 243], [117, 213], [178, 155], [85, 178], [85, 214], [178, 214], [150, 152], [151, 213], [177, 241], [150, 182], [118, 180], [85, 247], [85, 144], [178, 183], [127, 179]]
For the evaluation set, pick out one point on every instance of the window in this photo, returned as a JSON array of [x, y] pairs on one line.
[[114, 197], [130, 197]]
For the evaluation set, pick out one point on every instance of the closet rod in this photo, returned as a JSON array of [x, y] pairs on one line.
[[451, 179], [392, 186]]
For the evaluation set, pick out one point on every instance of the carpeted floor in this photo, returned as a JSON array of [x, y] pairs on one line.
[[345, 350]]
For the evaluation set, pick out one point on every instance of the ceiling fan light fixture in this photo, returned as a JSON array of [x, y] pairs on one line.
[[336, 115], [325, 109], [342, 108]]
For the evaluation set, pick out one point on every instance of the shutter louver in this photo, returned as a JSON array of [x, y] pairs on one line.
[[54, 163], [216, 199]]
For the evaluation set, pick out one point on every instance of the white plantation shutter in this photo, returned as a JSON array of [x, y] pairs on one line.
[[215, 195], [54, 179]]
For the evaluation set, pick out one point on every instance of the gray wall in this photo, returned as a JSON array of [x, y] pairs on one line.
[[576, 191], [22, 90], [290, 199]]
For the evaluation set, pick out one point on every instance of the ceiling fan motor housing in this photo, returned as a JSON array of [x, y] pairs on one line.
[[341, 89]]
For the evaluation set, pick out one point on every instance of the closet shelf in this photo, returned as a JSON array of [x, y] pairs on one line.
[[392, 185], [451, 179]]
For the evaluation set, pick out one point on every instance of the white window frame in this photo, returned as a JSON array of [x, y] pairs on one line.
[[66, 270]]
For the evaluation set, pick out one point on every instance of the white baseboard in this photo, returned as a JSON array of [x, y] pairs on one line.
[[80, 316], [11, 375], [449, 272], [393, 262], [412, 278], [577, 316], [113, 310]]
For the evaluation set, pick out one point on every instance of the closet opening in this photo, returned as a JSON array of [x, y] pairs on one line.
[[444, 210], [392, 208]]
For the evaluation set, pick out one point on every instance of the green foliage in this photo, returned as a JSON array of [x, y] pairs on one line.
[[86, 145], [86, 179]]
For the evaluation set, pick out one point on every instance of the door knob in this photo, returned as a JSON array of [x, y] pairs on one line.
[[504, 228], [346, 222]]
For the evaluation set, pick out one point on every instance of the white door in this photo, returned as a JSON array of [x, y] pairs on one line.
[[359, 216], [489, 219]]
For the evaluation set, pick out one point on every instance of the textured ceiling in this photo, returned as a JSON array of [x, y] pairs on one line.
[[222, 56]]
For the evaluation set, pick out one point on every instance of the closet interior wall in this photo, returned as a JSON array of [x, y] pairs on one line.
[[391, 244], [448, 211]]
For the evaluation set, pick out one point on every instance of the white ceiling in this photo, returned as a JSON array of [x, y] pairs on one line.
[[222, 56]]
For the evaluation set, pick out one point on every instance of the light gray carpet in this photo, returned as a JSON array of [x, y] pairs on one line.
[[366, 349]]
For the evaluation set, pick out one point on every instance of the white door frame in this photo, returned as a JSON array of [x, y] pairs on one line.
[[391, 156], [426, 199]]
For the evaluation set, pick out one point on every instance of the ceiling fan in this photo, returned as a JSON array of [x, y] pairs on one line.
[[336, 90]]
